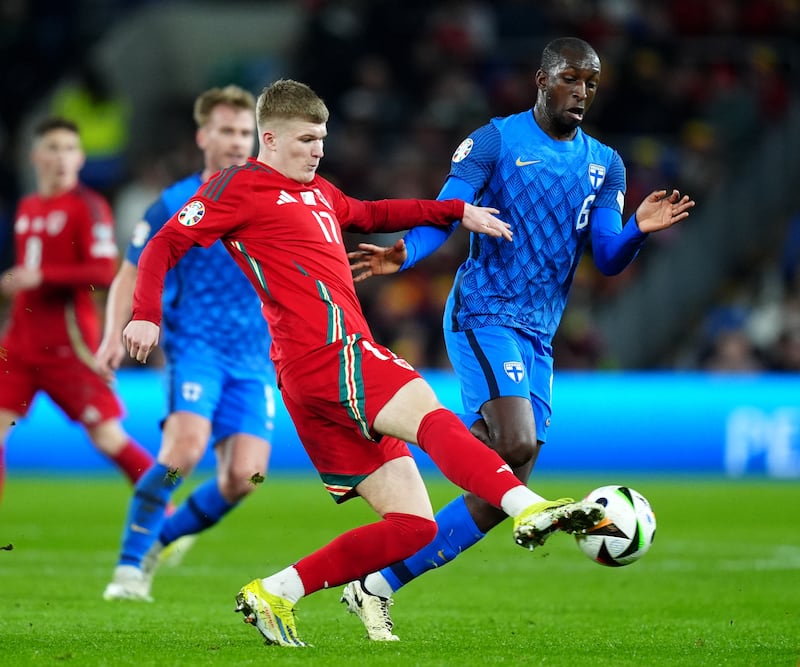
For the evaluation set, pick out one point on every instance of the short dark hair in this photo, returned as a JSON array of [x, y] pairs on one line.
[[54, 123], [552, 55]]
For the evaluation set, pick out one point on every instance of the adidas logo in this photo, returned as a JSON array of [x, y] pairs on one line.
[[285, 198]]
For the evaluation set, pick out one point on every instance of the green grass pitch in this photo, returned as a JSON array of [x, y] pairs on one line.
[[721, 585]]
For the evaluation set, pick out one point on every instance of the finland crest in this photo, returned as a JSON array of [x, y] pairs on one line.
[[515, 370], [597, 174], [191, 391]]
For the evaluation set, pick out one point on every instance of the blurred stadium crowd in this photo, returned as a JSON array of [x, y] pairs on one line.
[[686, 84]]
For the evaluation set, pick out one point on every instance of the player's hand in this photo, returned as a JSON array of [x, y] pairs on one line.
[[659, 210], [374, 260], [140, 338], [481, 220], [109, 356], [18, 279]]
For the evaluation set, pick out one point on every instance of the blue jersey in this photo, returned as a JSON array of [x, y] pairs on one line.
[[546, 189], [209, 304]]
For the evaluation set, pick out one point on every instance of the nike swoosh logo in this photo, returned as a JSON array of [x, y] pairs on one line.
[[136, 528], [524, 163]]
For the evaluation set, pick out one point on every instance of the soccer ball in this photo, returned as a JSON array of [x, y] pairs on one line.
[[627, 531]]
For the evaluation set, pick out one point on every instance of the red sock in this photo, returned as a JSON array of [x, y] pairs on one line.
[[464, 459], [133, 460], [365, 549]]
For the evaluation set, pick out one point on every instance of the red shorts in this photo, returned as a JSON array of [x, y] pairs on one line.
[[333, 395], [72, 385]]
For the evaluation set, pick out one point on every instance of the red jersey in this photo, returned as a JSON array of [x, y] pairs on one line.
[[70, 238], [287, 238]]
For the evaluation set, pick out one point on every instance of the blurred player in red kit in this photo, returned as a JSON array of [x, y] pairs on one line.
[[65, 249]]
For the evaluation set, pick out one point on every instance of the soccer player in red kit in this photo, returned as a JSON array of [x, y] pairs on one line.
[[64, 243], [354, 403]]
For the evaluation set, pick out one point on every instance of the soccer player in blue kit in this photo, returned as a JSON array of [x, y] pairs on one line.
[[216, 344], [558, 188]]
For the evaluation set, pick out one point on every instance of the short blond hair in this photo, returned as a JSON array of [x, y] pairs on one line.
[[286, 99], [231, 95]]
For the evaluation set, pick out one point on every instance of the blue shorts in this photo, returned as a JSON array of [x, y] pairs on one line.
[[498, 361], [233, 399]]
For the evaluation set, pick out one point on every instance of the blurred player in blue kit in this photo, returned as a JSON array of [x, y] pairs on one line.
[[220, 377], [559, 189]]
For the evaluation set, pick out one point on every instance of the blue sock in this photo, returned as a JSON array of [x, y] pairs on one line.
[[146, 512], [202, 509], [457, 532]]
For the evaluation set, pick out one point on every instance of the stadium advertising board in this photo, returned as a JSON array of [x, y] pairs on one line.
[[602, 422]]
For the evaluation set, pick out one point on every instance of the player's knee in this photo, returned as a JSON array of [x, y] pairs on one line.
[[7, 418], [235, 484], [108, 436], [185, 450], [480, 431], [233, 490], [415, 531], [516, 449]]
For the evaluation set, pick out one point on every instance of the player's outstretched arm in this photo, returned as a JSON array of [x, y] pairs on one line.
[[161, 253], [119, 302], [660, 210], [374, 260], [140, 338]]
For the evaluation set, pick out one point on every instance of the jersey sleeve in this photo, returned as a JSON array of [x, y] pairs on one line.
[[612, 194], [217, 208], [161, 254], [475, 158], [614, 247], [154, 219], [424, 241], [393, 215], [214, 211]]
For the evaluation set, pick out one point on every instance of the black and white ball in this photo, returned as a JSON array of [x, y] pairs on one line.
[[627, 531]]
